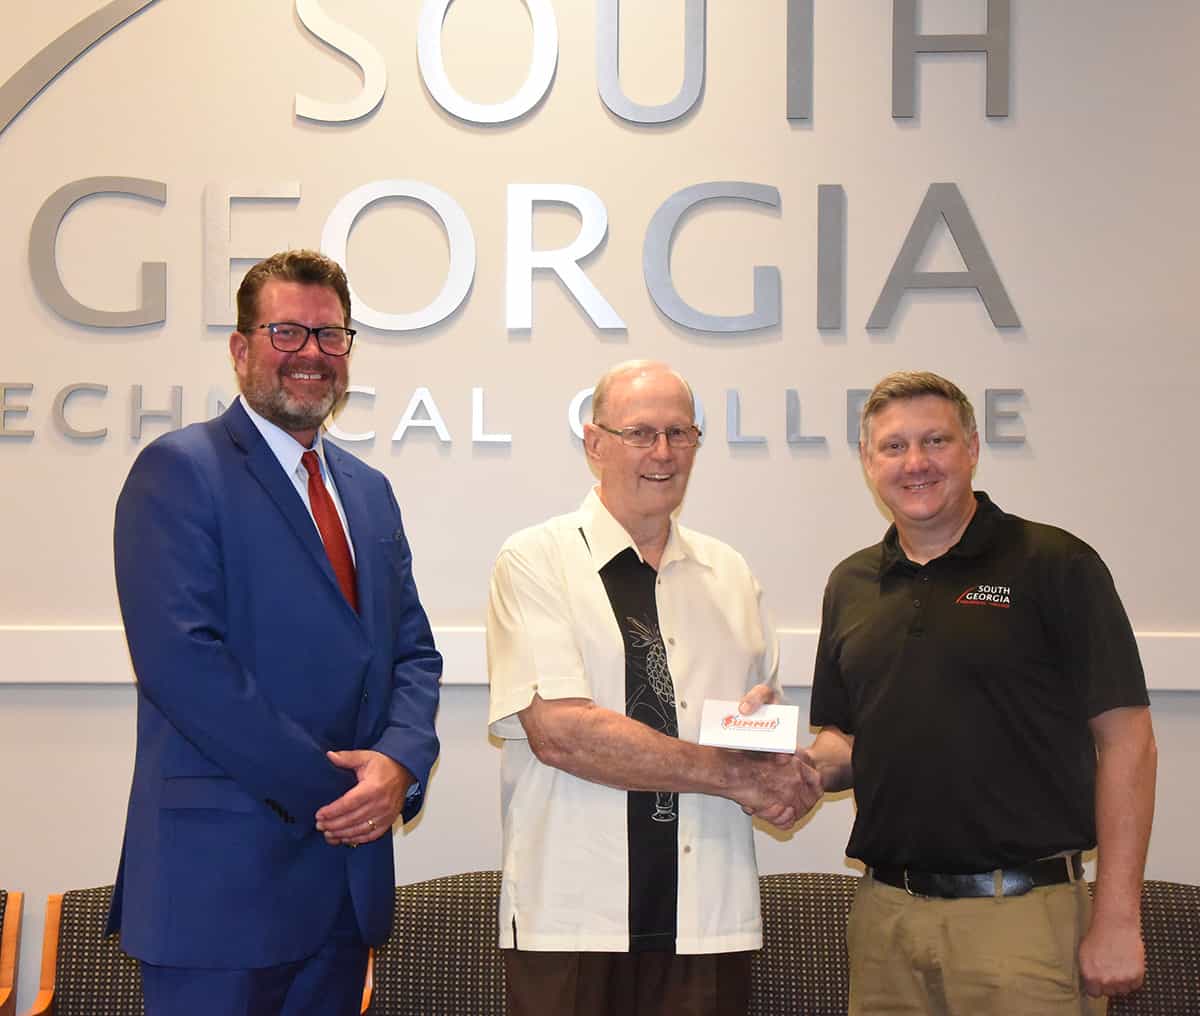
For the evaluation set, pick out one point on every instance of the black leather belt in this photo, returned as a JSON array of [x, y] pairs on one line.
[[1013, 881]]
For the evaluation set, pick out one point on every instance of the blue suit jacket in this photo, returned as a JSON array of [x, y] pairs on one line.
[[250, 664]]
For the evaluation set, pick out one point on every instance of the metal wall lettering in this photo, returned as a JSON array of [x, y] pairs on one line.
[[656, 261], [799, 59], [219, 309], [43, 265], [422, 399], [461, 239], [331, 425], [856, 398], [478, 434], [14, 409], [42, 68], [536, 85], [523, 260], [795, 432], [173, 413], [608, 73], [733, 422], [997, 416], [831, 254], [906, 44], [357, 49], [59, 413], [944, 201]]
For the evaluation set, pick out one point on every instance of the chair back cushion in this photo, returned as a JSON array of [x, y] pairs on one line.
[[1171, 928], [442, 958], [803, 967], [93, 976]]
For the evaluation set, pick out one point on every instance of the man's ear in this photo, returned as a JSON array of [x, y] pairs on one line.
[[238, 344], [591, 440]]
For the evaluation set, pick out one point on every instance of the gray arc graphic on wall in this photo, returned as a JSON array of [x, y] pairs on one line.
[[23, 87]]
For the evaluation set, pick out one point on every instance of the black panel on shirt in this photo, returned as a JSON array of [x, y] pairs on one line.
[[968, 684], [652, 818]]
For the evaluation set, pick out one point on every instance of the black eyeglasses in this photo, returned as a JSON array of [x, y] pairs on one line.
[[289, 337], [644, 436]]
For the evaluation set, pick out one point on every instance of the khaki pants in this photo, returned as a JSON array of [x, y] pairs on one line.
[[1000, 956]]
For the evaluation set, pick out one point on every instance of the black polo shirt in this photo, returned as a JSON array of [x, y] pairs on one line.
[[968, 684]]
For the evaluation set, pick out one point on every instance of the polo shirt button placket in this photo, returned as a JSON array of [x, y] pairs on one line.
[[923, 578], [916, 627]]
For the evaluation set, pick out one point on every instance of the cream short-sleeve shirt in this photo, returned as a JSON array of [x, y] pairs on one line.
[[551, 632]]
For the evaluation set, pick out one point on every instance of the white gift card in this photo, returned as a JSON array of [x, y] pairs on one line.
[[768, 728]]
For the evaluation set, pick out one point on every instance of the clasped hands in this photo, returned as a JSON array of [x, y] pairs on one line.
[[781, 789], [368, 809]]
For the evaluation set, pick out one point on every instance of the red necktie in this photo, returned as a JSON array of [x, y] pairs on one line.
[[330, 525]]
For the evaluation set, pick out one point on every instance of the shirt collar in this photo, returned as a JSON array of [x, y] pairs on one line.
[[606, 537], [976, 538], [283, 446]]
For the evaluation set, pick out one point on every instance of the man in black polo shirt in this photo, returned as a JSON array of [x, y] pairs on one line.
[[978, 684]]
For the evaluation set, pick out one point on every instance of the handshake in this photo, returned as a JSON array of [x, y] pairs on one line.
[[778, 788]]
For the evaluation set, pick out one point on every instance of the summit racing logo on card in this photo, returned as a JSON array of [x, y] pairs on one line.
[[734, 721], [991, 596], [770, 727]]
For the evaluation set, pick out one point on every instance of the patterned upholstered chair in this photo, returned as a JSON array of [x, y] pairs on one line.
[[10, 941], [83, 972], [442, 958], [803, 969], [1171, 928]]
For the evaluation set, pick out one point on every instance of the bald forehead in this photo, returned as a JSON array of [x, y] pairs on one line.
[[639, 381]]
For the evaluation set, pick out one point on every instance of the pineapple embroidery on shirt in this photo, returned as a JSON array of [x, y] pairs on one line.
[[655, 700]]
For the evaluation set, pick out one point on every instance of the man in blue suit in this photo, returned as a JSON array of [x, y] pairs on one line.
[[287, 680]]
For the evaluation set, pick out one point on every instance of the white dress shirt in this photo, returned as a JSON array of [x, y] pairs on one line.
[[289, 451]]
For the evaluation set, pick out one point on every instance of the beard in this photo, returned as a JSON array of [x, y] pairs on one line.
[[267, 396]]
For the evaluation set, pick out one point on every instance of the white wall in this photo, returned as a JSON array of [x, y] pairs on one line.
[[1084, 196]]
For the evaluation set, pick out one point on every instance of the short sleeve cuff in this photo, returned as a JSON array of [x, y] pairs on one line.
[[503, 720]]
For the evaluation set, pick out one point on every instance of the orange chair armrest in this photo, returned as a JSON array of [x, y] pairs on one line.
[[43, 1005], [369, 985]]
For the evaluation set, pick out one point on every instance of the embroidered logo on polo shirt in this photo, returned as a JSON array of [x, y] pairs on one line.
[[991, 596]]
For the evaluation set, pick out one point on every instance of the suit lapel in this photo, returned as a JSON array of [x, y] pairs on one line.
[[343, 468], [265, 468]]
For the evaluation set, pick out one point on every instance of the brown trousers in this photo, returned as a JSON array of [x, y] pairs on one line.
[[626, 984], [999, 956]]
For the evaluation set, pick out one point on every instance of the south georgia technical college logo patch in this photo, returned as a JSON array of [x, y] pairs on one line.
[[989, 596]]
